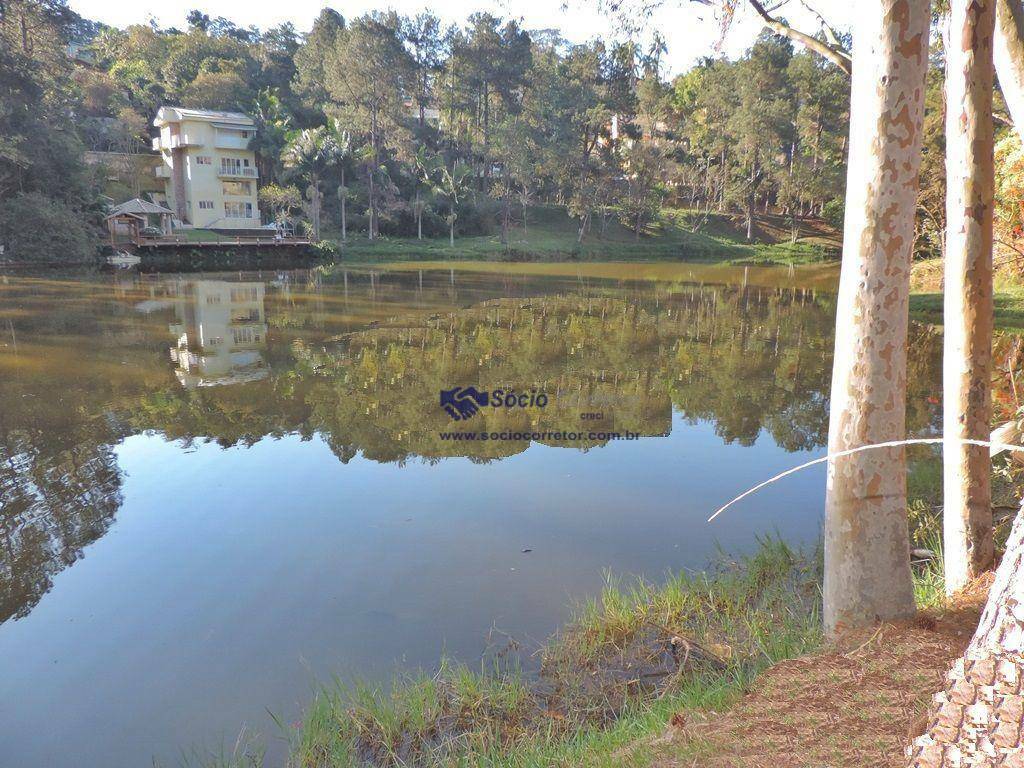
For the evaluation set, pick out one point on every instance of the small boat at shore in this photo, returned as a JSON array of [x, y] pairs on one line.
[[123, 260]]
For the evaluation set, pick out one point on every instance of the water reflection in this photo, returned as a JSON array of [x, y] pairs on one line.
[[303, 408], [219, 332], [359, 358]]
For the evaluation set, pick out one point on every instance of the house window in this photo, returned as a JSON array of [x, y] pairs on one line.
[[237, 188], [238, 210], [245, 294], [206, 205], [243, 335], [204, 160]]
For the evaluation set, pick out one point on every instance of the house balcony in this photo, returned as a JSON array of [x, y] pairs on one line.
[[176, 142], [228, 141], [226, 172]]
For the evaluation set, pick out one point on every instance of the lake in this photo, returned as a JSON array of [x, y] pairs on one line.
[[218, 491]]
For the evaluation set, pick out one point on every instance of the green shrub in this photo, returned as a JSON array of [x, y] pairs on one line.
[[34, 227], [833, 212]]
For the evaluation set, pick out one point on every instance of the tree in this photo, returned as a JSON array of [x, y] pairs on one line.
[[422, 34], [217, 90], [645, 170], [761, 124], [829, 45], [308, 155], [311, 58], [45, 189], [273, 124], [34, 226], [451, 185], [867, 562], [495, 58], [367, 72], [344, 141], [974, 717], [968, 313], [1009, 57], [280, 201]]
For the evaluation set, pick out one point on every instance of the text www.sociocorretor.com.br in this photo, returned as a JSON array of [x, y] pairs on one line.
[[515, 435]]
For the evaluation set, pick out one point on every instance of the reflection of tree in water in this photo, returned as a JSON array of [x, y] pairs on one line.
[[60, 484], [747, 361], [60, 493]]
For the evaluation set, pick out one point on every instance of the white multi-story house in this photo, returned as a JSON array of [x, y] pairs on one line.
[[209, 172]]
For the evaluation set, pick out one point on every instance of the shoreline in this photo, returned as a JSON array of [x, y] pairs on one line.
[[630, 679]]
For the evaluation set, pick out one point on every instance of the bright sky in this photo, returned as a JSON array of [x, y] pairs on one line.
[[690, 29]]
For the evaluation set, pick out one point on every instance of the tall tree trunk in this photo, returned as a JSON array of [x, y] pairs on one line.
[[344, 223], [1009, 57], [976, 720], [419, 213], [725, 176], [967, 339], [372, 205], [315, 206], [751, 200], [867, 557], [373, 172]]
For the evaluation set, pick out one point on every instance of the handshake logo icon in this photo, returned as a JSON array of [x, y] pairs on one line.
[[463, 402]]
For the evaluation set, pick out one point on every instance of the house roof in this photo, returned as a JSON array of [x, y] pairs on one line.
[[176, 114], [137, 207]]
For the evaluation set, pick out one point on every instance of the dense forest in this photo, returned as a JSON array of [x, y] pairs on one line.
[[390, 125], [414, 128]]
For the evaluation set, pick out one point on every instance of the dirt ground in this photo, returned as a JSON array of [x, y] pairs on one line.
[[856, 704]]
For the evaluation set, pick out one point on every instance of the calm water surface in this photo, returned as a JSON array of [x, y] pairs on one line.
[[219, 489]]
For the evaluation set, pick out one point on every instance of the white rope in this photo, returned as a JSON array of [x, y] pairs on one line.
[[890, 444]]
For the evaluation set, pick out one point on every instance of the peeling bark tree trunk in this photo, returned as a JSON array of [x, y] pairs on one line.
[[967, 344], [1009, 57], [977, 719], [867, 558]]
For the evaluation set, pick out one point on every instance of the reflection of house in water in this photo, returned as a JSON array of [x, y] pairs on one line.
[[220, 331]]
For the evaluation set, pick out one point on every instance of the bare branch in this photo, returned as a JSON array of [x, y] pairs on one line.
[[830, 32], [837, 55]]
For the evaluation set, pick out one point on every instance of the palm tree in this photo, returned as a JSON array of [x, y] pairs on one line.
[[451, 184], [344, 142], [424, 167], [308, 155], [273, 125]]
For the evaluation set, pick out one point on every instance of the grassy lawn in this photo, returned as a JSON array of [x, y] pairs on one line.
[[199, 235], [926, 296], [927, 307], [551, 235], [1009, 308]]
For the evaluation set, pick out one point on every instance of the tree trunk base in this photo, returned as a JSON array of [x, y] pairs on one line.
[[976, 721]]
